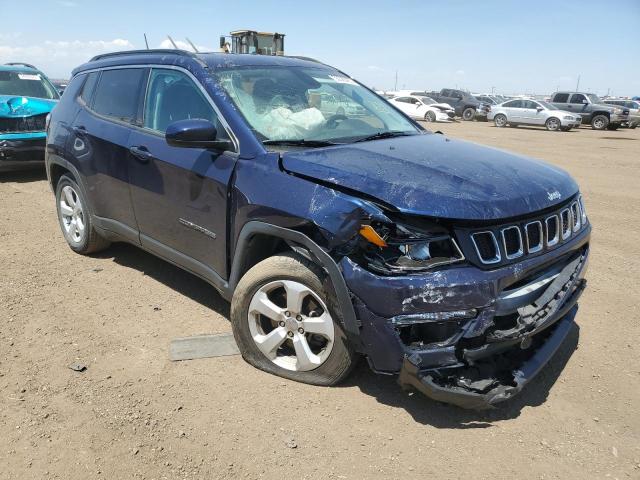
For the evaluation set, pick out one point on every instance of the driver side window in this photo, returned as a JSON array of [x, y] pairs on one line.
[[173, 96]]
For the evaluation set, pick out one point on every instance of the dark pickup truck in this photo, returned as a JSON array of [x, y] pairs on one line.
[[592, 110], [466, 106]]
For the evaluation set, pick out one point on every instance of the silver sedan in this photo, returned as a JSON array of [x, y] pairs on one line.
[[533, 112]]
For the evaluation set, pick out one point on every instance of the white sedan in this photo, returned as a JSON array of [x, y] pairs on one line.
[[524, 111], [423, 108]]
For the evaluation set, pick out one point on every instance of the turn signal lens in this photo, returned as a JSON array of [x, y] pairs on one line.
[[370, 234]]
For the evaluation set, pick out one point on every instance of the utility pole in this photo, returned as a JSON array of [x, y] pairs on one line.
[[578, 84], [493, 90], [395, 87]]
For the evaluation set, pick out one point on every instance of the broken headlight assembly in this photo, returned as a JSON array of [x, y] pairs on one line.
[[399, 248]]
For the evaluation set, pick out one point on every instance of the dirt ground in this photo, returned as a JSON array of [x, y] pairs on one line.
[[135, 414]]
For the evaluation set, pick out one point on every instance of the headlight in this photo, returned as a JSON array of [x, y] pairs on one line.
[[402, 249], [568, 117], [618, 111]]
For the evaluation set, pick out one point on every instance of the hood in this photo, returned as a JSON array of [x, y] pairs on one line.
[[17, 106], [442, 106], [436, 176]]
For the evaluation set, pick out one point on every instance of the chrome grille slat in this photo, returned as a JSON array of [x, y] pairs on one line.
[[553, 239], [528, 228], [507, 248], [565, 223], [487, 261], [575, 217]]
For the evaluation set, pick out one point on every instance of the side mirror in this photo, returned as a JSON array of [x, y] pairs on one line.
[[195, 133], [539, 109]]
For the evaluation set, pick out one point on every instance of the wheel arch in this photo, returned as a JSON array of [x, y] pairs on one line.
[[259, 240], [57, 167]]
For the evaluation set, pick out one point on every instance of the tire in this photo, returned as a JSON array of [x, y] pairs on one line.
[[276, 281], [565, 129], [553, 124], [430, 117], [468, 114], [500, 120], [75, 219], [599, 122]]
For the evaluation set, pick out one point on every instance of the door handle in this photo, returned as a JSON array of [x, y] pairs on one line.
[[79, 130], [141, 154]]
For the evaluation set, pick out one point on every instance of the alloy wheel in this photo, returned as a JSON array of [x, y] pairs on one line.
[[291, 325], [72, 214]]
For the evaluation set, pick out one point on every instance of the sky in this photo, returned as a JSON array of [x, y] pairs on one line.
[[533, 47]]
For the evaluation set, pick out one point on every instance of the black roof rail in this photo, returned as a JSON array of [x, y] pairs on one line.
[[139, 52], [17, 64]]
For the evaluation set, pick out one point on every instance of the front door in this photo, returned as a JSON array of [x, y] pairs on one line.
[[179, 194]]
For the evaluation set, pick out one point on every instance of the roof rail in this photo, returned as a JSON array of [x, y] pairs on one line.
[[17, 64], [140, 52]]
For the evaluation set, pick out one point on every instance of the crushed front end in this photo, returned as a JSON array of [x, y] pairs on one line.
[[474, 330]]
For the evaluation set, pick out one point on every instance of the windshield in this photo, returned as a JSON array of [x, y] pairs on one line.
[[546, 105], [311, 104], [427, 100], [594, 98], [26, 84]]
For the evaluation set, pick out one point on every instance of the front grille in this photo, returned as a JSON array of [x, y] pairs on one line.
[[537, 235], [36, 123]]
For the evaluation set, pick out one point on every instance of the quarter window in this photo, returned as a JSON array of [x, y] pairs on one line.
[[88, 87], [173, 96], [561, 98], [118, 92]]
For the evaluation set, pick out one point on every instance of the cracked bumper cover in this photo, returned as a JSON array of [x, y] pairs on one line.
[[17, 153], [485, 363]]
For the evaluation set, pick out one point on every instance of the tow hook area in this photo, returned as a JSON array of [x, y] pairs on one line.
[[491, 380]]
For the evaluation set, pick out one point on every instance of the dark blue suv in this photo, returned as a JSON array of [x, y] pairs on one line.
[[336, 226]]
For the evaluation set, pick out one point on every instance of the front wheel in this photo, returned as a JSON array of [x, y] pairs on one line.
[[552, 124], [285, 322], [430, 117], [468, 114], [599, 122], [75, 219], [500, 120]]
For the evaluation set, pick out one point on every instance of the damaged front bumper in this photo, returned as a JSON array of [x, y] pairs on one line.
[[19, 151], [490, 332]]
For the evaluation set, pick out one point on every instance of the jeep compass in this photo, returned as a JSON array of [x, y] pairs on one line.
[[335, 234]]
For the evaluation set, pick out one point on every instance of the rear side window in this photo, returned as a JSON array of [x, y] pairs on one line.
[[118, 92], [89, 87], [561, 98], [514, 104], [578, 98]]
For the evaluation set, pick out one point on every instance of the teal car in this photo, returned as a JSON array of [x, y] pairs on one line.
[[26, 98]]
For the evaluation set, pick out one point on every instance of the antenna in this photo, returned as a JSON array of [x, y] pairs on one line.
[[578, 83], [172, 42], [195, 49], [145, 40]]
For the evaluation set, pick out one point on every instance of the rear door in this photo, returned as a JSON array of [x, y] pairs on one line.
[[99, 143], [180, 194], [513, 110], [405, 104]]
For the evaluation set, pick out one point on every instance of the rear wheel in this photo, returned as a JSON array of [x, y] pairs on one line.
[[285, 322], [75, 219], [552, 124], [500, 120], [468, 114], [599, 122], [430, 117]]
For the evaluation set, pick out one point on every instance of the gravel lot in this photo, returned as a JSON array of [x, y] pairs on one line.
[[135, 414]]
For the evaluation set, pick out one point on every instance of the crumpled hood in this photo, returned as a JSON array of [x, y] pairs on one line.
[[17, 106], [436, 176]]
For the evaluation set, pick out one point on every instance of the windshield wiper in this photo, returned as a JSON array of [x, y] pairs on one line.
[[381, 135], [301, 143]]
